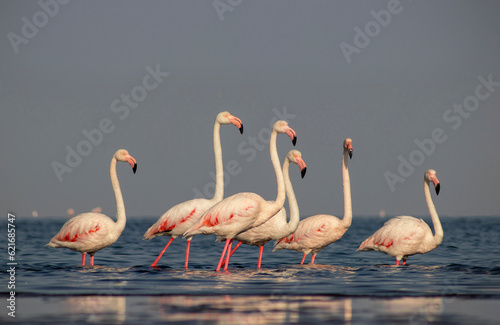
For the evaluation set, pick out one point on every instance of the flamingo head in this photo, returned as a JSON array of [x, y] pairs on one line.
[[282, 127], [348, 146], [123, 155], [295, 156], [430, 176], [226, 118]]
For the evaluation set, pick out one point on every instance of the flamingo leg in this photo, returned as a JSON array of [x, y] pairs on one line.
[[261, 249], [231, 254], [83, 259], [312, 259], [187, 254], [397, 262], [163, 251], [92, 259], [222, 256], [303, 259], [404, 261], [229, 250]]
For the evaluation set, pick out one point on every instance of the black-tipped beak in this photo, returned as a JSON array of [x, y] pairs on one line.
[[303, 172], [134, 169], [438, 187], [294, 141], [350, 153], [241, 129]]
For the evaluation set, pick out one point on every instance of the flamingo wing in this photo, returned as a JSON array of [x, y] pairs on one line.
[[400, 232], [83, 229], [233, 214], [178, 219]]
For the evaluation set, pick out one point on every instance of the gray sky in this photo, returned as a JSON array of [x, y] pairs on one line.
[[429, 69]]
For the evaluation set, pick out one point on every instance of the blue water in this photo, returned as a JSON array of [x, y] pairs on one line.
[[462, 272]]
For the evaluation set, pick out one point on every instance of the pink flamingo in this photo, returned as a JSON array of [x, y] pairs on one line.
[[243, 211], [276, 227], [316, 232], [89, 232], [404, 236], [182, 216]]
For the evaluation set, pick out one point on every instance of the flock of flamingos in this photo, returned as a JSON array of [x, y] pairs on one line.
[[250, 219]]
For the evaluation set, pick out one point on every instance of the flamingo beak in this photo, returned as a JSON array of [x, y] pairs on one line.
[[237, 122], [131, 160], [291, 133], [302, 166], [349, 150], [437, 185]]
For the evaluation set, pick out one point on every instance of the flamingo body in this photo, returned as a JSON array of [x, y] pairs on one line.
[[242, 211], [316, 232], [92, 231], [178, 219], [404, 236]]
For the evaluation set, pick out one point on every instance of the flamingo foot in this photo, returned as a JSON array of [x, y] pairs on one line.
[[187, 255], [229, 250], [303, 259], [222, 256], [261, 249], [163, 251]]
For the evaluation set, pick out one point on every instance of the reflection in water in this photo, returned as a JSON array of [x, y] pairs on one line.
[[98, 309], [253, 309]]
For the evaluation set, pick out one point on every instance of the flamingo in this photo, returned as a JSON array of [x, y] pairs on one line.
[[182, 216], [318, 231], [404, 236], [89, 232], [276, 227], [242, 211]]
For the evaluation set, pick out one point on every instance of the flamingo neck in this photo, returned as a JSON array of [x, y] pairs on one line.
[[121, 218], [219, 172], [346, 182], [292, 200], [274, 207], [438, 229]]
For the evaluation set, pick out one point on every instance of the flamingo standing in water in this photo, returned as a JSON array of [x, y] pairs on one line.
[[403, 236], [243, 211], [182, 216], [276, 227], [89, 232], [316, 232]]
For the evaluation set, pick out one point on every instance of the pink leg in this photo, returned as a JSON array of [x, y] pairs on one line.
[[231, 254], [163, 251], [261, 249], [303, 259], [312, 259], [92, 260], [222, 256], [404, 261], [83, 259], [397, 262], [229, 250], [187, 254]]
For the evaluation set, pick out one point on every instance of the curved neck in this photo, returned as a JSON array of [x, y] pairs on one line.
[[346, 182], [292, 200], [281, 196], [219, 172], [120, 206], [438, 230]]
